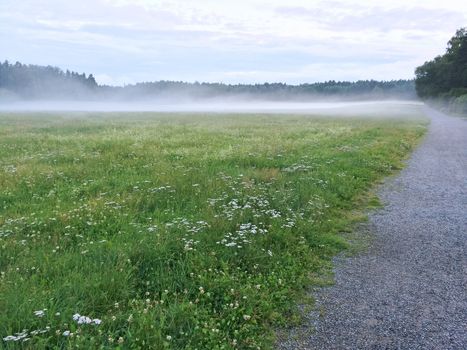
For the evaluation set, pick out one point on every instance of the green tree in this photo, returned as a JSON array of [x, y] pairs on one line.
[[445, 75]]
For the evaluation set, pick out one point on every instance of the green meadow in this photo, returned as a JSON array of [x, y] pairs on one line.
[[178, 231]]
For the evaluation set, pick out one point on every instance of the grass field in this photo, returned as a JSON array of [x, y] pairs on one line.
[[139, 231]]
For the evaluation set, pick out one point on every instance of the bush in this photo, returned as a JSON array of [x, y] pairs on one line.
[[459, 105]]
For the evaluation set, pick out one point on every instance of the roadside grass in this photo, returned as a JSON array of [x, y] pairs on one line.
[[173, 230]]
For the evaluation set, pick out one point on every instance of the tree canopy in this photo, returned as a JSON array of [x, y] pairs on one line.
[[445, 75]]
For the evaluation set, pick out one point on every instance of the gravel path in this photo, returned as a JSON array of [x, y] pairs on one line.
[[409, 290]]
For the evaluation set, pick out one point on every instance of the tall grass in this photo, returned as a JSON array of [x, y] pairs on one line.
[[139, 231]]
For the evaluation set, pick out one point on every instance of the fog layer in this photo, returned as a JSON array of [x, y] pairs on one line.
[[350, 108], [44, 88]]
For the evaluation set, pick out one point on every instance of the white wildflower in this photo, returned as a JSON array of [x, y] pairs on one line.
[[80, 319], [39, 313], [84, 320]]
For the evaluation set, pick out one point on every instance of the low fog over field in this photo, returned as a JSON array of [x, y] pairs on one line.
[[347, 108], [44, 88]]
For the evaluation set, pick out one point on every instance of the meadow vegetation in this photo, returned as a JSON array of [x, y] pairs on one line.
[[172, 231]]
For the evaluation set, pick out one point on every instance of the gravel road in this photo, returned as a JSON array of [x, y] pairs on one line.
[[409, 290]]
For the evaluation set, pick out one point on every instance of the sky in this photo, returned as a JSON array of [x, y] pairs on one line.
[[242, 41]]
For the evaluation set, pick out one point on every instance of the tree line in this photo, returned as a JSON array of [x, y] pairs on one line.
[[281, 91], [32, 81], [47, 82], [444, 79]]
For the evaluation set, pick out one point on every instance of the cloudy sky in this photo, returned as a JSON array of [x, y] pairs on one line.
[[293, 41]]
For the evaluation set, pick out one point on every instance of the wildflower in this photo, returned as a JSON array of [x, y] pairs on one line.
[[120, 340], [66, 333], [10, 337], [169, 338], [80, 319], [39, 313], [246, 317], [84, 319]]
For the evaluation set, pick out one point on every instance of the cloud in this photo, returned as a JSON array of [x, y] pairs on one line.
[[361, 18], [123, 41]]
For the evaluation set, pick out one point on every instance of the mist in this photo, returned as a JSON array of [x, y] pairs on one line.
[[366, 108], [29, 88], [45, 88]]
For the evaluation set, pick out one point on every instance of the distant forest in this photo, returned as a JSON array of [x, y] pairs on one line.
[[37, 82], [443, 80], [21, 81]]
